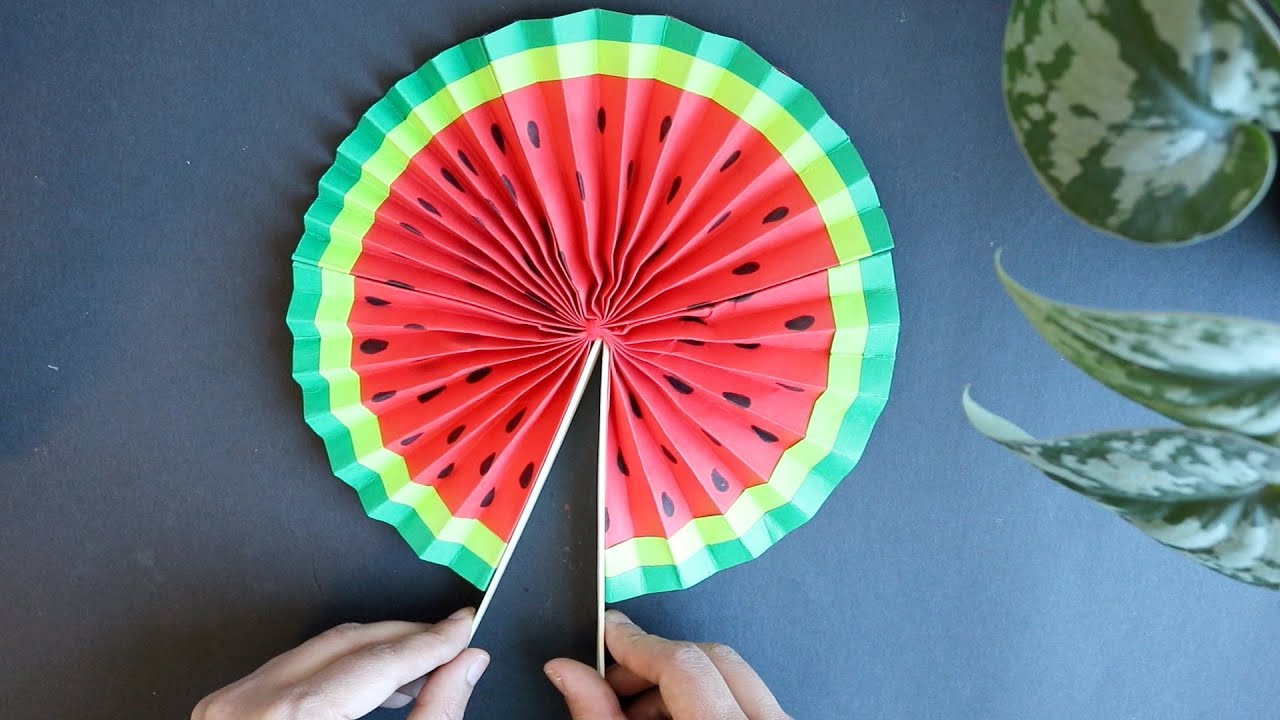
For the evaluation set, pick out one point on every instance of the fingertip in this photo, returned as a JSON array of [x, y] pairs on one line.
[[477, 662], [585, 692], [552, 671], [449, 687], [466, 613], [456, 627], [616, 617]]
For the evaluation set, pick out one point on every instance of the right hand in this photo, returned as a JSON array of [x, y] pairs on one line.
[[658, 678]]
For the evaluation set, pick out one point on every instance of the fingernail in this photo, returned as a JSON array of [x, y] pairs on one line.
[[477, 669], [464, 613], [617, 618], [555, 679]]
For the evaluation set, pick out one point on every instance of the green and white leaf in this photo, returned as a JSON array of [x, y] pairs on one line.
[[1203, 370], [1141, 117], [1212, 495]]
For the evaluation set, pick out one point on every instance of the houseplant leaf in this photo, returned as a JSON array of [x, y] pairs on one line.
[[1212, 495], [1204, 370], [1139, 116]]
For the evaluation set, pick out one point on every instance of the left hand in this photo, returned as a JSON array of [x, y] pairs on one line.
[[348, 671]]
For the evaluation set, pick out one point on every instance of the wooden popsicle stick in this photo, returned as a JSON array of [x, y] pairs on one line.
[[579, 388], [601, 468]]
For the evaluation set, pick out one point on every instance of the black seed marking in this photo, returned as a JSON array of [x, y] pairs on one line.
[[622, 465], [488, 498], [692, 319], [652, 256], [476, 376], [411, 229], [476, 219], [711, 437], [737, 399], [746, 268], [775, 215], [631, 168], [733, 158], [466, 162], [498, 139], [747, 346], [528, 261], [399, 284], [414, 326], [718, 480], [448, 176], [563, 260], [666, 128], [376, 301], [668, 506], [428, 395], [526, 475], [384, 395], [532, 130], [635, 406], [678, 385], [445, 472], [546, 228], [492, 206], [428, 207], [718, 221], [373, 346], [406, 442], [741, 298], [511, 189], [803, 322], [514, 422], [600, 119], [487, 463], [689, 341], [582, 191], [456, 433], [606, 519], [529, 294], [764, 435], [792, 388], [675, 188], [667, 454]]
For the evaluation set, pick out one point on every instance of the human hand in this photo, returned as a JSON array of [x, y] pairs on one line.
[[346, 672], [663, 679]]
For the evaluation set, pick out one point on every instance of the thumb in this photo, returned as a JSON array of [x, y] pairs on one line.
[[448, 688], [589, 697]]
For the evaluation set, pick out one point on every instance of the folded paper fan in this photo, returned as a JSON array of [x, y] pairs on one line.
[[596, 185]]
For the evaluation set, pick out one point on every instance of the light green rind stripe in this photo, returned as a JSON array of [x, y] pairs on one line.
[[462, 78]]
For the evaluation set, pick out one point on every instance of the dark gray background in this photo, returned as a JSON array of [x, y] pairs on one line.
[[168, 522]]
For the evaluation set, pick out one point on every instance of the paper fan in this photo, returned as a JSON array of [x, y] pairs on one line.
[[596, 184]]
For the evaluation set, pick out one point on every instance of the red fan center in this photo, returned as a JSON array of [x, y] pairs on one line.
[[595, 208]]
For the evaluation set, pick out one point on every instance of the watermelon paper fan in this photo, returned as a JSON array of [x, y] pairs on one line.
[[596, 186]]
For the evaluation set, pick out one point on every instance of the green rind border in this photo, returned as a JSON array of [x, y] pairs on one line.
[[475, 54]]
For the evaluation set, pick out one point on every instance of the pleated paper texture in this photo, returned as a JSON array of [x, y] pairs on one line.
[[596, 178]]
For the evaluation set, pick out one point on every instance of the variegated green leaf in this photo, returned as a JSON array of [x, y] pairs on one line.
[[1205, 370], [1139, 115], [1212, 495]]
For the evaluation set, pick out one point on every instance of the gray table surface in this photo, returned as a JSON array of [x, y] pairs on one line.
[[167, 521]]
